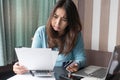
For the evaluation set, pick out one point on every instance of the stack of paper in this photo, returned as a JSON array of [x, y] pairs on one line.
[[29, 77]]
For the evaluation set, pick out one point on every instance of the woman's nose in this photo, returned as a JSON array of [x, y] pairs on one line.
[[58, 21]]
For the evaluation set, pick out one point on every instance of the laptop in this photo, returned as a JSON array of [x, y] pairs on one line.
[[95, 72], [37, 60]]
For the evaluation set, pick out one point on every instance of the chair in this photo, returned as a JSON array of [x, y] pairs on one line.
[[98, 58]]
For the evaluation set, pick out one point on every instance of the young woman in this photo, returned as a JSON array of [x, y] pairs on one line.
[[63, 33]]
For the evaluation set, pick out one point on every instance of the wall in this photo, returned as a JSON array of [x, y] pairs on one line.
[[76, 3], [101, 23]]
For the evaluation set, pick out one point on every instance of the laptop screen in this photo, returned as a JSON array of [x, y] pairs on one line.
[[115, 63]]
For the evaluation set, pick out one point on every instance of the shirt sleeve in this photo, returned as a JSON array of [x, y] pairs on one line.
[[79, 52], [36, 42]]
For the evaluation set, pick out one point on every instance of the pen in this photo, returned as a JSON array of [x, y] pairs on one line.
[[31, 73], [67, 63]]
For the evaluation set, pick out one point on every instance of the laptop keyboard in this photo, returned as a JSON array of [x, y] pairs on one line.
[[100, 73], [44, 73]]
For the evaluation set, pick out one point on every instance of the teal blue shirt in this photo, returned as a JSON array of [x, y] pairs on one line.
[[77, 54]]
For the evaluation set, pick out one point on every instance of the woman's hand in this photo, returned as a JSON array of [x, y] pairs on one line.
[[73, 67], [19, 69]]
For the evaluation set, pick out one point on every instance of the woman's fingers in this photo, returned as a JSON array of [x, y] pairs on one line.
[[19, 69], [72, 67]]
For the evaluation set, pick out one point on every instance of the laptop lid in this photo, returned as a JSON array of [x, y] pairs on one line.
[[37, 58], [115, 63]]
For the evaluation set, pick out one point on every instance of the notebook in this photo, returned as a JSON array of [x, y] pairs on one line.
[[37, 58], [96, 72]]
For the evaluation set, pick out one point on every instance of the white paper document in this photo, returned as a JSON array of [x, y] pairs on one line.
[[37, 58], [29, 77], [90, 78]]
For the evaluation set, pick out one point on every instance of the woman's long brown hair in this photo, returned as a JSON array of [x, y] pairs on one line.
[[66, 42]]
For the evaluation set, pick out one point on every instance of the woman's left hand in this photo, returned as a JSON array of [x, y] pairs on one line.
[[73, 67]]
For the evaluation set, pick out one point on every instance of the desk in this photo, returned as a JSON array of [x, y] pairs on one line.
[[29, 77], [58, 71]]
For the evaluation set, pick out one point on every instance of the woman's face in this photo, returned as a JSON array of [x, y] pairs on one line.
[[59, 20]]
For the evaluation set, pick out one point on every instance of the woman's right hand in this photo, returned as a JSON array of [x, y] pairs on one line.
[[19, 69]]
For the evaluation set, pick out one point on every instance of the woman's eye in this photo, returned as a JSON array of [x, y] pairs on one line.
[[55, 16], [64, 19]]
